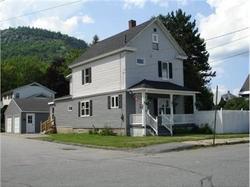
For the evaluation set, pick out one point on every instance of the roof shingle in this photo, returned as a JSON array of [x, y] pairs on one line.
[[33, 104]]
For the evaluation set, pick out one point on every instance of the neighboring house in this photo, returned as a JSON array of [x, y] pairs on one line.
[[27, 91], [228, 96], [245, 91], [25, 115], [132, 82]]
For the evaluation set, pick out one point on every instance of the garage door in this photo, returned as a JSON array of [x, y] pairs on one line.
[[17, 125], [9, 123]]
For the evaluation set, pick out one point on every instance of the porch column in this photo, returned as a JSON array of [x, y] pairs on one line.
[[172, 107], [143, 100], [194, 103]]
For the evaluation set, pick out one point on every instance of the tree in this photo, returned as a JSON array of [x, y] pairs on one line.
[[55, 79], [197, 71], [237, 103], [95, 39]]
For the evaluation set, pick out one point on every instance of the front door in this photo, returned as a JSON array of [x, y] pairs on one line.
[[30, 123], [163, 106]]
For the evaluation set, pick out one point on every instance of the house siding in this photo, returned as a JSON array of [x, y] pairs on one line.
[[102, 116], [166, 53], [39, 117], [107, 75]]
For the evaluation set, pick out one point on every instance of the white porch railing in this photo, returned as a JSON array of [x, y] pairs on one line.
[[167, 122], [135, 119], [152, 122]]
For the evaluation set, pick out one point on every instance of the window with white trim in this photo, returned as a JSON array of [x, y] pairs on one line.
[[70, 108], [140, 61], [114, 101], [85, 108], [86, 76], [165, 70], [155, 38]]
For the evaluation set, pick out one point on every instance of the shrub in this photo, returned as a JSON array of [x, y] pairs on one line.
[[94, 131], [205, 129], [107, 131]]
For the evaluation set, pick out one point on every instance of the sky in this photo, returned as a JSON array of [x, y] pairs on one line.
[[85, 18]]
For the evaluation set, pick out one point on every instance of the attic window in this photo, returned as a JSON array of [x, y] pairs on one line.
[[155, 41], [140, 61], [155, 29]]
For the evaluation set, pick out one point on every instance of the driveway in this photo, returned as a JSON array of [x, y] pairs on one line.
[[27, 162]]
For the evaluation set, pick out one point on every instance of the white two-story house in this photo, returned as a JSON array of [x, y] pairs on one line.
[[132, 82]]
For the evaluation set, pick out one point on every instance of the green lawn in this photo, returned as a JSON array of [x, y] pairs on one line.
[[129, 142]]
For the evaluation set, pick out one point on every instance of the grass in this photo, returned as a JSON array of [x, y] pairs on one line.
[[130, 142]]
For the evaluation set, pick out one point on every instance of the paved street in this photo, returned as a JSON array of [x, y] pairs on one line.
[[27, 162]]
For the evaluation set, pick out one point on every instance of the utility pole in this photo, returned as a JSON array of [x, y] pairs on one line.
[[215, 113]]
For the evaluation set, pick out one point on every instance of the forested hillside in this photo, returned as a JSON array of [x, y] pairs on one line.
[[28, 54]]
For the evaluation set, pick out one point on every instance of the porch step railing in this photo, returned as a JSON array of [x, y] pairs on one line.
[[47, 126], [152, 122], [167, 121]]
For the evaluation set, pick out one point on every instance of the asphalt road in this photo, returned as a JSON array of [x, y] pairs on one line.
[[26, 162]]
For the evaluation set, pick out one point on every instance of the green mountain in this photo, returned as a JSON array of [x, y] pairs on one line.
[[44, 44], [28, 53]]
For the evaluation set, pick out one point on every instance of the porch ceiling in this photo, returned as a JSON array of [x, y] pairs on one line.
[[161, 87]]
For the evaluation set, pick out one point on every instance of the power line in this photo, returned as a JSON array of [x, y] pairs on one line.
[[227, 43], [219, 36], [38, 11], [222, 59]]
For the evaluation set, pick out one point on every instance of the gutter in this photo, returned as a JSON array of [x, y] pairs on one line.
[[102, 56]]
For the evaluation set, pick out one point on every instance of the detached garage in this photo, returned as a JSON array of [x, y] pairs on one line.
[[25, 115]]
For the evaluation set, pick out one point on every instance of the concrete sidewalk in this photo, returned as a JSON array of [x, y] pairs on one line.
[[178, 146]]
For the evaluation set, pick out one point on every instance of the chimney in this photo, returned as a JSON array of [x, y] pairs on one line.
[[131, 23]]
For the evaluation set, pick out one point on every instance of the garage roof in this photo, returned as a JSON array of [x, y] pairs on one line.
[[33, 104]]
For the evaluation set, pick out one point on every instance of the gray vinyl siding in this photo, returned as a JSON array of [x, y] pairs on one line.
[[166, 53], [39, 117], [102, 116]]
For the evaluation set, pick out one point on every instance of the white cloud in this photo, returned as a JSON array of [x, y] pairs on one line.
[[227, 16], [141, 3], [87, 19], [67, 26]]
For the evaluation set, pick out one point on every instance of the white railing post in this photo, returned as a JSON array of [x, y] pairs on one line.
[[194, 103], [171, 108], [143, 101]]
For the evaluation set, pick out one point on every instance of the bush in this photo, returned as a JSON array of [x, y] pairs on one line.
[[94, 131], [205, 129], [107, 131]]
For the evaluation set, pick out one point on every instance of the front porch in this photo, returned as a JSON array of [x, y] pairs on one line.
[[158, 110]]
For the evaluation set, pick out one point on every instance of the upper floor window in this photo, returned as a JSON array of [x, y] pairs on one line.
[[86, 76], [140, 61], [155, 41], [165, 70]]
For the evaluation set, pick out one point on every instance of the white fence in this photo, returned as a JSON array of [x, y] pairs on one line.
[[228, 121]]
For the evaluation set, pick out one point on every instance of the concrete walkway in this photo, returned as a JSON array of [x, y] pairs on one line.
[[178, 146]]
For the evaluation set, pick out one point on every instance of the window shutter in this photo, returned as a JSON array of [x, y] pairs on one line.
[[159, 69], [109, 102], [90, 78], [90, 108], [170, 70], [82, 76], [79, 109], [120, 101]]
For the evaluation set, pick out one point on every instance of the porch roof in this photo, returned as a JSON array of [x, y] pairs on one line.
[[161, 86]]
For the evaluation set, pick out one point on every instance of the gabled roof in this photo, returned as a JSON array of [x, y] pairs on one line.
[[121, 40], [33, 83], [245, 86], [33, 104], [228, 96], [159, 85]]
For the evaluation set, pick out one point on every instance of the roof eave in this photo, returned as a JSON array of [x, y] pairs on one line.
[[103, 56], [162, 91]]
